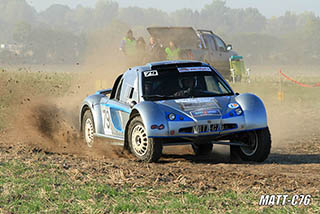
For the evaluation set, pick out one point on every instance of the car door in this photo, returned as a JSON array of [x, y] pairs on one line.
[[223, 54], [115, 113]]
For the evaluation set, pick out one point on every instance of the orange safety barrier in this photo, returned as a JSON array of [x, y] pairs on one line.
[[299, 83]]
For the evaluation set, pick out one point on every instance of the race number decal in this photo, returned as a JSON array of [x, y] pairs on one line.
[[151, 73], [107, 121]]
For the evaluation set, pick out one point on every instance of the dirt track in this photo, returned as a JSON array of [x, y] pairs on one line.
[[293, 169], [45, 131]]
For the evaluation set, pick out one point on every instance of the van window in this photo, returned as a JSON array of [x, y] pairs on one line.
[[210, 43], [221, 45]]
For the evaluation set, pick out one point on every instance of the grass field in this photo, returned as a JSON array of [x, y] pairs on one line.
[[33, 181], [41, 186]]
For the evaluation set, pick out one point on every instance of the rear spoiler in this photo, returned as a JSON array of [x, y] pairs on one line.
[[105, 91]]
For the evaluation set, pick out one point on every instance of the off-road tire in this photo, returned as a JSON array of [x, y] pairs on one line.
[[260, 149], [202, 149], [88, 128], [144, 148]]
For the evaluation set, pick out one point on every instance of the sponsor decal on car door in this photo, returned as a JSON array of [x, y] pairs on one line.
[[113, 113]]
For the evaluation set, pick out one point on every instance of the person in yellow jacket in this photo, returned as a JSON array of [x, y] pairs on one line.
[[173, 52], [129, 45]]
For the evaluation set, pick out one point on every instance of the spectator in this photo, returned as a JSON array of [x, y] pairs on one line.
[[129, 45], [156, 51], [173, 53], [141, 49]]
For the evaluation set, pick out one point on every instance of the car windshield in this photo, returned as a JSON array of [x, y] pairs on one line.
[[183, 83]]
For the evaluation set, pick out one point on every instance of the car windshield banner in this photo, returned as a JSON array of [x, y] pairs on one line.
[[208, 112], [194, 69]]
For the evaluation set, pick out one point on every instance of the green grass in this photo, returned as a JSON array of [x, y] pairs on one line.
[[35, 187]]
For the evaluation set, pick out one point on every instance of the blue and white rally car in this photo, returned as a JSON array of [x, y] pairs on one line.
[[176, 103]]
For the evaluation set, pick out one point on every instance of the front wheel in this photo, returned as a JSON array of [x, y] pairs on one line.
[[257, 148], [144, 148]]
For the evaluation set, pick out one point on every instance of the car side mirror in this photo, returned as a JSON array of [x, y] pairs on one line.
[[237, 93], [132, 104], [229, 47]]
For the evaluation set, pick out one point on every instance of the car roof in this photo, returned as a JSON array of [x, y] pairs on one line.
[[173, 62], [164, 64]]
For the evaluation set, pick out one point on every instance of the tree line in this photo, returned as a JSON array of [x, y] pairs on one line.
[[64, 35]]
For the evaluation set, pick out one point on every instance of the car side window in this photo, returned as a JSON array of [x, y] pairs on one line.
[[119, 90], [221, 45], [209, 40], [214, 85], [131, 92], [128, 91], [115, 87]]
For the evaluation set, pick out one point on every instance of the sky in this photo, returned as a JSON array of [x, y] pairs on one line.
[[268, 8]]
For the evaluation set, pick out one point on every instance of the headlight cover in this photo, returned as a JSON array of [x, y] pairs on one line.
[[238, 111], [172, 116]]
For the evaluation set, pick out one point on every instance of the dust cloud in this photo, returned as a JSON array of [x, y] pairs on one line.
[[44, 124], [52, 123]]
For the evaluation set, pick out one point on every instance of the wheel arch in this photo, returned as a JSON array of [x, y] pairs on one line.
[[95, 110], [133, 114], [254, 111], [151, 114], [84, 108]]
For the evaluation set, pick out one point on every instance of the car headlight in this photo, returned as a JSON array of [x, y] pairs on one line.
[[238, 111], [172, 116]]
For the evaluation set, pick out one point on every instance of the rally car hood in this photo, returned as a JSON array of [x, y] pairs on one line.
[[184, 37], [201, 107]]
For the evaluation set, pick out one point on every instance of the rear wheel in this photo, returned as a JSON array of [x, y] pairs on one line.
[[258, 146], [88, 129], [202, 149], [144, 148]]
